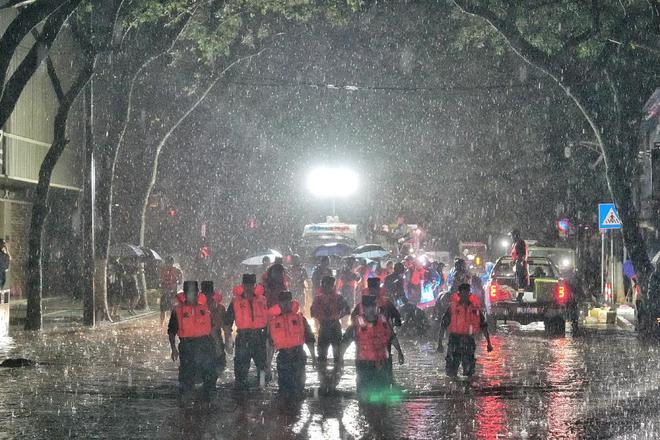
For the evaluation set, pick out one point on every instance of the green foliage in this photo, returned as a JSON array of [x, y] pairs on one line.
[[213, 28]]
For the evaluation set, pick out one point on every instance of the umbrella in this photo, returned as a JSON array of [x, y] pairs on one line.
[[126, 250], [628, 269], [332, 250], [257, 259], [151, 254], [370, 251]]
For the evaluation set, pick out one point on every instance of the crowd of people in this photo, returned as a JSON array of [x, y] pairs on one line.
[[361, 304]]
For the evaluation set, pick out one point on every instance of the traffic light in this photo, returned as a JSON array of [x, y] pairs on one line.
[[252, 223], [204, 252], [172, 212]]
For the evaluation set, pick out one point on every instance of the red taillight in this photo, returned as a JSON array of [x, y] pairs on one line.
[[493, 291], [561, 293]]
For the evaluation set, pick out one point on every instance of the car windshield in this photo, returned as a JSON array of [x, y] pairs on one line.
[[563, 258], [538, 268]]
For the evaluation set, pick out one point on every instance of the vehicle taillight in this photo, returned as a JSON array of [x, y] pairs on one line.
[[561, 293], [493, 291]]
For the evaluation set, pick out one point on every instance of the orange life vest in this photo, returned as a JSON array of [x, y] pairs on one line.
[[372, 339], [217, 298], [169, 278], [465, 318], [287, 331], [250, 316], [193, 321], [327, 307], [514, 252]]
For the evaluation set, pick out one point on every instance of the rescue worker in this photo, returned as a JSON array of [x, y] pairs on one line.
[[248, 309], [218, 310], [415, 282], [298, 279], [170, 280], [347, 281], [275, 281], [372, 335], [288, 331], [414, 320], [394, 283], [385, 307], [519, 257], [464, 319], [328, 308], [460, 275], [320, 270], [191, 320]]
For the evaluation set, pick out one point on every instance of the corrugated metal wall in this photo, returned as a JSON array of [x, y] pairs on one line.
[[32, 119]]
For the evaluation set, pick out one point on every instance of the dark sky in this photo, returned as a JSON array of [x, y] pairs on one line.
[[467, 141]]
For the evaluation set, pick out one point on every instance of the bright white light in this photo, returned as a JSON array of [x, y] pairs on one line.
[[505, 243], [566, 262], [332, 182]]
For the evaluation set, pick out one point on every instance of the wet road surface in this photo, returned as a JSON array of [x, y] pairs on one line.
[[118, 382]]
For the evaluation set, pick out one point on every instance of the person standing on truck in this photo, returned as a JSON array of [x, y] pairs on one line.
[[519, 257], [464, 319]]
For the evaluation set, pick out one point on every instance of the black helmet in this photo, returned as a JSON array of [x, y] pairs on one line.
[[207, 287], [249, 278], [327, 281], [189, 286]]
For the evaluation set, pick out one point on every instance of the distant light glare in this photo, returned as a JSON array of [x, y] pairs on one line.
[[332, 182], [505, 243]]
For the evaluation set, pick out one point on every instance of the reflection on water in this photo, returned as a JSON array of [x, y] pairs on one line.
[[490, 414], [118, 382]]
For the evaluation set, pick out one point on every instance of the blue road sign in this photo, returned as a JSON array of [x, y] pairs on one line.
[[608, 216]]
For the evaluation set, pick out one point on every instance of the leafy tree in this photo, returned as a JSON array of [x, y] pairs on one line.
[[601, 53]]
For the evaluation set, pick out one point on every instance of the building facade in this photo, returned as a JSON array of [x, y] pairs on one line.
[[24, 141]]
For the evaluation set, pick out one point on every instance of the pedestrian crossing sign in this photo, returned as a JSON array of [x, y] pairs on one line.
[[608, 216]]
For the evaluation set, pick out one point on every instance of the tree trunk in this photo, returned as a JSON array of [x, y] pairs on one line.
[[27, 19], [28, 66], [87, 266], [40, 201], [154, 169]]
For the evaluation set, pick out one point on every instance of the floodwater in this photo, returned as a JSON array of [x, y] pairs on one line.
[[118, 382]]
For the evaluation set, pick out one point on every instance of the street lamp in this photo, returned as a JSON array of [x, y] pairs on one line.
[[328, 182]]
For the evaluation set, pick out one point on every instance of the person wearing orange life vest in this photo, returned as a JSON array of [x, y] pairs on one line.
[[289, 331], [218, 310], [328, 308], [463, 320], [170, 279], [192, 321], [372, 335], [386, 307], [249, 311]]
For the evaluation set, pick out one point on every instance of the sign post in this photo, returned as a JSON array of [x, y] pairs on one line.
[[608, 218]]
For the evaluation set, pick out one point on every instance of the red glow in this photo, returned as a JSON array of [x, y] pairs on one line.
[[561, 293]]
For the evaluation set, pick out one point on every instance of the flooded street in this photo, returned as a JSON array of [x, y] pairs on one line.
[[118, 382]]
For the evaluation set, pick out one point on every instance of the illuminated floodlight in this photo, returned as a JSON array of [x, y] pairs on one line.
[[325, 182], [505, 243]]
